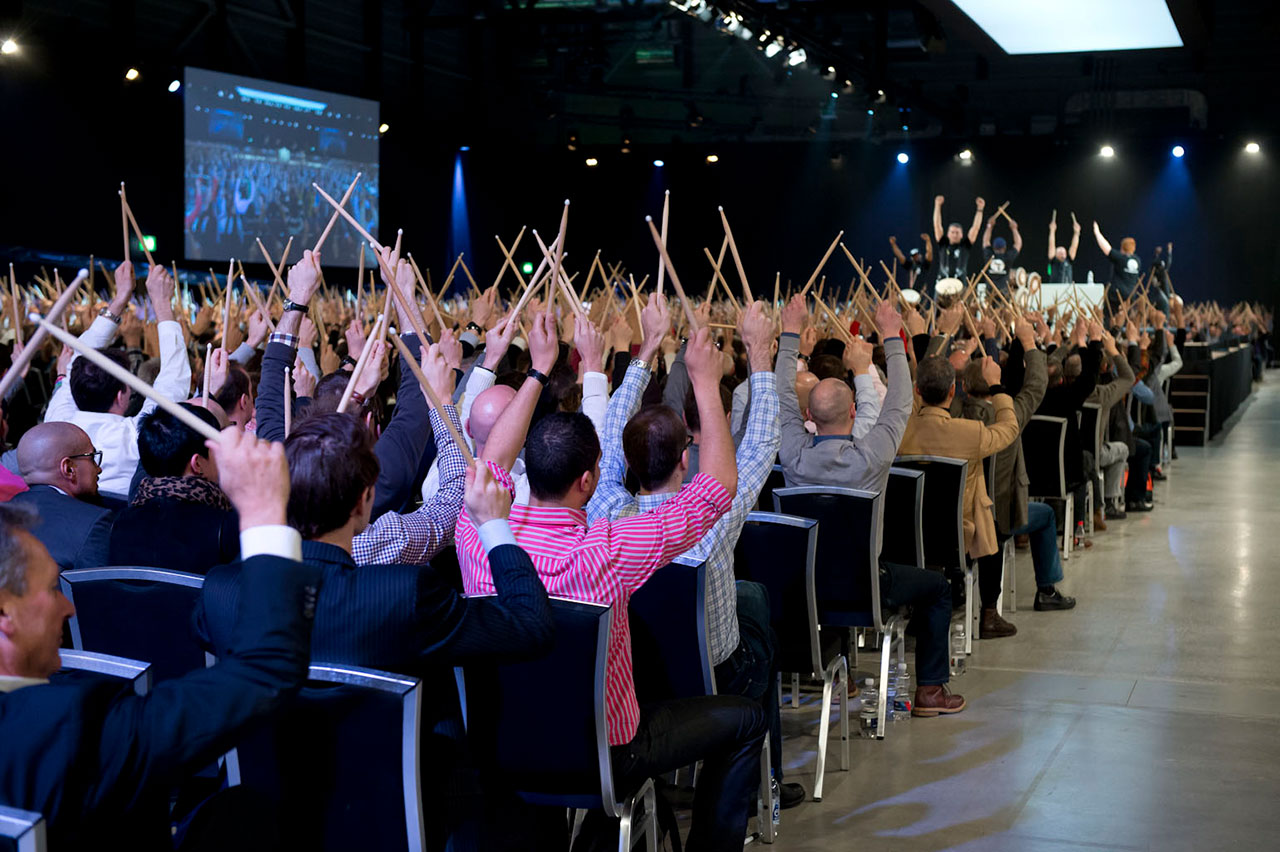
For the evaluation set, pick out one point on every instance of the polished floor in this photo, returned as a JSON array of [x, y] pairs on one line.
[[1147, 718]]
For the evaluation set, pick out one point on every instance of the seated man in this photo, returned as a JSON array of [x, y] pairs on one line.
[[606, 562], [179, 518], [61, 469], [99, 761], [1112, 454], [835, 458], [96, 402]]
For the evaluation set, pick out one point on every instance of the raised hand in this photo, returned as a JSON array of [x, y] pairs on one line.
[[1025, 334], [990, 370], [371, 375], [702, 359], [485, 498], [219, 367], [440, 376], [258, 329], [857, 356], [888, 320], [544, 346], [794, 315], [304, 384], [497, 341], [914, 322], [160, 289], [949, 320], [304, 278], [451, 348], [808, 340], [589, 342], [757, 334], [124, 287], [655, 323]]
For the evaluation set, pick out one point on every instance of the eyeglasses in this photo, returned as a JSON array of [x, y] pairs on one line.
[[96, 455], [688, 442]]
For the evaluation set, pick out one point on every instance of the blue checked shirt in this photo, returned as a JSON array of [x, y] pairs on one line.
[[755, 456], [413, 538]]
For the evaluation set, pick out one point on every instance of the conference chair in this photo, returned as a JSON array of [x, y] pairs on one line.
[[847, 566], [86, 664], [541, 724], [1042, 446], [943, 505], [775, 479], [341, 763], [903, 528], [780, 552], [1008, 575], [1092, 429], [21, 831], [144, 613]]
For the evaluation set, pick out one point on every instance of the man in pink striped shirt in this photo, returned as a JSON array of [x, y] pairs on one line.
[[605, 563]]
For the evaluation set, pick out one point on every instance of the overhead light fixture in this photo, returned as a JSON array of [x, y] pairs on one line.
[[903, 158], [526, 268], [175, 85], [384, 127], [573, 141], [1107, 151], [871, 111], [132, 74], [626, 145], [1094, 25], [1178, 151], [713, 158], [796, 57], [966, 154], [772, 49], [659, 163], [464, 148], [1252, 148], [835, 95], [592, 162], [8, 47]]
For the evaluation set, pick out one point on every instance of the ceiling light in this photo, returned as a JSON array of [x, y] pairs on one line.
[[772, 49], [1107, 151], [659, 163], [9, 47], [796, 57], [1178, 151], [132, 74], [1093, 25], [384, 127], [592, 162], [835, 95], [713, 158], [966, 154], [1252, 148], [903, 158], [175, 85]]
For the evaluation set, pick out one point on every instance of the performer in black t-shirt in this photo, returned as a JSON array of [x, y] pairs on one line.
[[1162, 287], [1001, 255], [954, 244], [1126, 269], [915, 263], [1061, 260]]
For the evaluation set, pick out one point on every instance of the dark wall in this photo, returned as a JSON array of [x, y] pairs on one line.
[[71, 144]]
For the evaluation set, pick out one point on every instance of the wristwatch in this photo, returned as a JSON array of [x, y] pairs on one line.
[[294, 306], [537, 374], [639, 362], [106, 312], [471, 326]]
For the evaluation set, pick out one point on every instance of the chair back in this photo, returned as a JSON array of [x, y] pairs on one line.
[[775, 479], [341, 762], [1042, 445], [780, 552], [143, 613], [88, 665], [942, 500], [902, 533], [847, 578], [541, 723], [21, 831], [1091, 426], [670, 648]]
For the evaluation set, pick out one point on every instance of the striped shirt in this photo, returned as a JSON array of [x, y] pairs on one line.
[[603, 563]]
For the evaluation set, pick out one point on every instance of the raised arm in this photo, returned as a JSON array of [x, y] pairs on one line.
[[1075, 238], [790, 418], [937, 217], [928, 247], [1102, 241], [979, 205], [1053, 236], [1004, 431], [716, 454], [506, 439], [1017, 235], [897, 252], [174, 378], [986, 232]]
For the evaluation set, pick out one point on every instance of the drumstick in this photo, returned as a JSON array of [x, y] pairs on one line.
[[666, 209], [508, 259], [34, 344], [208, 373], [555, 269], [124, 221], [324, 235], [675, 279], [226, 307], [430, 394], [136, 230], [737, 260], [17, 311], [822, 263], [288, 401], [361, 363]]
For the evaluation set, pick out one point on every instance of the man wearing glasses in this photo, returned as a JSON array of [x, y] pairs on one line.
[[61, 469]]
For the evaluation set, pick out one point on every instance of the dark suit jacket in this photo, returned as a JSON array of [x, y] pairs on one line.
[[99, 761], [190, 537], [75, 532], [1064, 400]]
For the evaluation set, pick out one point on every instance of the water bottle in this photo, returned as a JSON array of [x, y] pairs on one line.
[[775, 793], [890, 689], [957, 649], [869, 717], [1079, 538], [1090, 278], [902, 707]]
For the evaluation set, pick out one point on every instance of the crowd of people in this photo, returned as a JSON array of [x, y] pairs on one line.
[[612, 432]]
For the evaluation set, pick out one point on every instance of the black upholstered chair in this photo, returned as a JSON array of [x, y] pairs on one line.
[[87, 664], [670, 651], [1042, 445], [902, 535], [21, 831]]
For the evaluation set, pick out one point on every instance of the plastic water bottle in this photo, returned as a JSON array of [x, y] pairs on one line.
[[1090, 278], [869, 717], [1079, 537], [890, 689], [957, 649], [902, 706], [775, 793]]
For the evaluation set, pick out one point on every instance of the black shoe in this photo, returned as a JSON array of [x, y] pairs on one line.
[[1158, 475], [1115, 513], [1138, 506], [790, 795], [1046, 601]]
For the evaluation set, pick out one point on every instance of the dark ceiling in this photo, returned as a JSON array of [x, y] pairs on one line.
[[542, 70]]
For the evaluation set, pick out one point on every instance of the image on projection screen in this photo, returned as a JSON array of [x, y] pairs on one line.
[[253, 149]]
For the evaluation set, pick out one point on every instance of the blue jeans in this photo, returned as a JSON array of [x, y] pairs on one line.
[[751, 670], [929, 595], [1042, 528]]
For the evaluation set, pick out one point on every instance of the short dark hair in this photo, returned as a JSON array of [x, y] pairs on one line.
[[237, 385], [691, 416], [13, 559], [328, 394], [93, 388], [331, 463], [165, 443], [935, 378], [559, 449], [653, 442], [828, 367]]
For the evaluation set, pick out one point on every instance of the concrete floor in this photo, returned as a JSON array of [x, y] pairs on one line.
[[1146, 718]]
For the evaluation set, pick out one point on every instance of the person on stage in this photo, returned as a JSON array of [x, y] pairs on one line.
[[914, 262], [1062, 259], [1002, 256], [953, 252], [1126, 269], [1162, 287]]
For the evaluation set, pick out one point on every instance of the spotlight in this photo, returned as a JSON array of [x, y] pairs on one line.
[[903, 158], [526, 268], [626, 146], [132, 74], [966, 155], [1107, 151], [1178, 151], [713, 158], [772, 49], [9, 47], [835, 95], [384, 127], [573, 141], [1252, 148], [659, 163], [175, 85], [871, 112], [464, 148], [592, 162], [796, 57]]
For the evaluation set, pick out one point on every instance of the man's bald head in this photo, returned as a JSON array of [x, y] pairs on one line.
[[805, 383], [53, 454], [485, 411], [831, 407]]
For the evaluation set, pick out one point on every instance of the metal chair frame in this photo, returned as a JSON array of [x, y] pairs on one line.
[[25, 828]]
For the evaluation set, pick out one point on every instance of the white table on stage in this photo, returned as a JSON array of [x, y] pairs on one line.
[[1088, 294]]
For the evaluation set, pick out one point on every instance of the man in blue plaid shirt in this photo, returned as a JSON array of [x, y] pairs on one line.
[[742, 644]]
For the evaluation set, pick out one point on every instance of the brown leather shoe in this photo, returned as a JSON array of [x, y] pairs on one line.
[[936, 701], [995, 627], [1099, 524], [1022, 542]]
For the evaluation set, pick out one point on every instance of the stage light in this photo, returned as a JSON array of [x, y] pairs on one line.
[[592, 162], [9, 47], [1107, 151], [835, 95], [871, 112], [626, 146], [1092, 26], [796, 57], [966, 154], [772, 49], [384, 127], [175, 85], [659, 163], [1178, 151], [148, 243], [132, 74], [1252, 148], [713, 158], [526, 268], [465, 148], [903, 158]]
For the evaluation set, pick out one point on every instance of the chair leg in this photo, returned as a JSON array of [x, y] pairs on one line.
[[886, 646], [795, 690], [824, 728], [765, 815], [1068, 528], [624, 825], [970, 606], [1010, 563], [1088, 508], [650, 819], [844, 712]]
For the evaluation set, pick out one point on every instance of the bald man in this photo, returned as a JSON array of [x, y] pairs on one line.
[[478, 419], [61, 468]]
